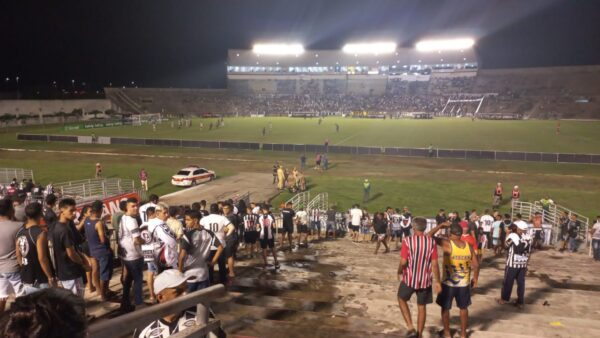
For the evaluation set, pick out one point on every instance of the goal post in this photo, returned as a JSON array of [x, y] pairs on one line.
[[138, 120], [451, 101]]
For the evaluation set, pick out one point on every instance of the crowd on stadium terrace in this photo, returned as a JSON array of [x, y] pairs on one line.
[[49, 246]]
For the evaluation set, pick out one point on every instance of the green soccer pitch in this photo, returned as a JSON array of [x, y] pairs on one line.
[[422, 184], [446, 133]]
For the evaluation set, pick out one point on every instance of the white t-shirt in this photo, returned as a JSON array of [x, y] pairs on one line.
[[143, 209], [302, 216], [216, 223], [128, 231], [486, 222], [356, 214], [405, 222], [159, 231], [596, 228]]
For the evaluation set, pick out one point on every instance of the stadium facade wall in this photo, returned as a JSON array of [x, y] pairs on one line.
[[37, 107], [464, 154]]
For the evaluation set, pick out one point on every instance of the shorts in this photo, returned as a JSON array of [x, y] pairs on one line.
[[287, 229], [152, 267], [330, 225], [76, 286], [250, 237], [406, 232], [231, 246], [105, 266], [355, 228], [381, 237], [264, 243], [424, 296], [315, 225], [397, 233], [10, 284], [495, 241], [33, 288], [538, 234], [303, 228], [449, 293], [365, 230]]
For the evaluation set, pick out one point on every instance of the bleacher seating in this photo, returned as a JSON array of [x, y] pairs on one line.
[[538, 92]]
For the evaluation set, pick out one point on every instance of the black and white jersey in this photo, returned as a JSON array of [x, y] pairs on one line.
[[519, 249]]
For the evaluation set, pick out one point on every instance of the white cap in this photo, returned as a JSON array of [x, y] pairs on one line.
[[520, 224], [168, 279]]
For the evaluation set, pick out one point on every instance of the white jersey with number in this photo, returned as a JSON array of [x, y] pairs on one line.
[[216, 223], [486, 222]]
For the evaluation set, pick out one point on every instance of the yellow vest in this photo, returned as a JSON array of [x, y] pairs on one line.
[[457, 266]]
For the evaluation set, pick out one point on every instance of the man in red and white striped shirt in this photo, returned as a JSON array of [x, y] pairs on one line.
[[417, 259]]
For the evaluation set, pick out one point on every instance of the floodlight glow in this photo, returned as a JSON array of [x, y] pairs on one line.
[[439, 45], [278, 49], [370, 48]]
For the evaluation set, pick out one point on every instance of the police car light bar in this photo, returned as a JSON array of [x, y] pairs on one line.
[[370, 48], [449, 44], [278, 49]]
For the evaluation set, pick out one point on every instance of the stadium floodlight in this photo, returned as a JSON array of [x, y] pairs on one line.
[[449, 44], [370, 48], [278, 48]]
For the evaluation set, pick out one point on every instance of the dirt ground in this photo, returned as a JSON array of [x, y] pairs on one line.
[[259, 185]]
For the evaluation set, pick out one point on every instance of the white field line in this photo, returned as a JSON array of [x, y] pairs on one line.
[[344, 140], [125, 154]]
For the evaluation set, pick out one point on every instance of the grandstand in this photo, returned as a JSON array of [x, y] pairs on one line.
[[326, 82]]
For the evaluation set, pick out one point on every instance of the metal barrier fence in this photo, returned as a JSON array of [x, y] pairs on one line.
[[299, 200], [127, 323], [83, 190], [7, 174], [464, 154]]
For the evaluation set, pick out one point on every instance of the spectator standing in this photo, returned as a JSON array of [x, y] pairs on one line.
[[195, 252], [595, 233], [144, 179], [266, 236], [287, 215], [10, 279], [356, 215], [222, 228], [302, 161], [417, 261], [70, 264], [153, 201], [130, 253], [518, 244], [366, 190], [96, 234], [460, 262], [497, 196], [98, 171], [573, 226], [32, 252]]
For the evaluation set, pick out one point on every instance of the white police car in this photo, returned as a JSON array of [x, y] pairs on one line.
[[192, 175]]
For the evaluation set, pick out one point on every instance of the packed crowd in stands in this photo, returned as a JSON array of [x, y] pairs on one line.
[[50, 245]]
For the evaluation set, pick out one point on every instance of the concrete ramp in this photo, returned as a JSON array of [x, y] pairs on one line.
[[259, 185]]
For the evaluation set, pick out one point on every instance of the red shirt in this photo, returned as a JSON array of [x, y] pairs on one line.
[[471, 240], [419, 251]]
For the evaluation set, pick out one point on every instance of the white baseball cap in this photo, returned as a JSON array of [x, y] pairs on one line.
[[168, 279], [520, 224]]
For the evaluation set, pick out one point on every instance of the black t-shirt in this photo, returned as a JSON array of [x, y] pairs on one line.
[[49, 216], [62, 237], [331, 216], [30, 269], [439, 219], [380, 226], [288, 217]]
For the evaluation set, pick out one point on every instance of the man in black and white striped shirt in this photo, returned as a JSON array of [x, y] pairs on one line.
[[518, 244]]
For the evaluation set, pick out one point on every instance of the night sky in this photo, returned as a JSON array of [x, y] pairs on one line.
[[184, 43]]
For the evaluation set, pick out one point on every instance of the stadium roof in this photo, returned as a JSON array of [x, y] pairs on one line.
[[310, 58]]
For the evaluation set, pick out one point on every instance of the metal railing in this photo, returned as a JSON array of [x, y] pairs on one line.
[[550, 215], [84, 190], [321, 202], [127, 323], [7, 174], [299, 200]]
